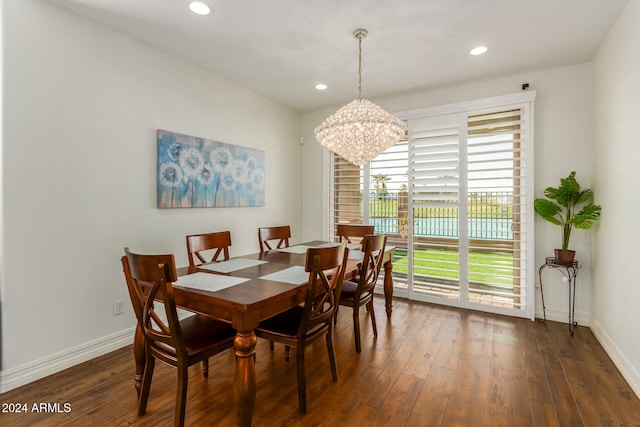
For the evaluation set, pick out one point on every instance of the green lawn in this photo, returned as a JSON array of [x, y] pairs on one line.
[[489, 269]]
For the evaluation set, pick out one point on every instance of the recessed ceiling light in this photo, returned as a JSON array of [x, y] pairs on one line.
[[199, 8], [478, 50], [321, 86]]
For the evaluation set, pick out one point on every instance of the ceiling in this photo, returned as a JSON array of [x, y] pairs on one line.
[[282, 48]]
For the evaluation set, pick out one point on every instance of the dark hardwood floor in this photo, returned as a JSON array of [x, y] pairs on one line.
[[430, 366]]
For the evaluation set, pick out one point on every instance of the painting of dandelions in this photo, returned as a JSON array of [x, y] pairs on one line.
[[200, 173]]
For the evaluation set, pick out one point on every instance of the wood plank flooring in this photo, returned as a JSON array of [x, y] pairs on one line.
[[429, 366]]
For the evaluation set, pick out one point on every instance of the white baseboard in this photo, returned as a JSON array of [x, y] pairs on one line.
[[25, 374], [563, 316], [626, 369]]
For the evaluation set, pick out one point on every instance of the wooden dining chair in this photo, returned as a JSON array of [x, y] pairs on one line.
[[359, 291], [178, 343], [306, 324], [353, 233], [269, 234], [198, 244]]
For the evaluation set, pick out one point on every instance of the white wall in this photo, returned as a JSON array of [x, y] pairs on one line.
[[81, 108], [562, 144], [616, 301]]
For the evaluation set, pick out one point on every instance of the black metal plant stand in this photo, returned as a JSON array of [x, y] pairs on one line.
[[570, 272]]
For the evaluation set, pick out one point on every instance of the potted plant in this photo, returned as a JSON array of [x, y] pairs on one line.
[[561, 208]]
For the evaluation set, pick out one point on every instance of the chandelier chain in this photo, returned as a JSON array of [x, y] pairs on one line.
[[361, 130], [360, 68]]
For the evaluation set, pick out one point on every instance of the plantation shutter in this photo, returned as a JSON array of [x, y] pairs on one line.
[[345, 193], [455, 200], [388, 208], [377, 203], [470, 203], [434, 203], [496, 165]]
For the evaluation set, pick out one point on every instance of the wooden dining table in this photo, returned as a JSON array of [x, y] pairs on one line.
[[246, 304]]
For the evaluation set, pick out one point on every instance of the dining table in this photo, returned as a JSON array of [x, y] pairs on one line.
[[245, 290]]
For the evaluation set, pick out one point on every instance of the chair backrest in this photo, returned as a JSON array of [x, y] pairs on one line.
[[354, 233], [323, 293], [136, 294], [156, 273], [199, 243], [373, 246], [280, 233]]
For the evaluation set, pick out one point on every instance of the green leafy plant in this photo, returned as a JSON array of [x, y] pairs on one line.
[[561, 205]]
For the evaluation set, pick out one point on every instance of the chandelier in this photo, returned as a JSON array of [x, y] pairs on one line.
[[361, 130]]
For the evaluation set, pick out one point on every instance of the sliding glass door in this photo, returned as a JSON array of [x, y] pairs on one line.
[[455, 200], [467, 202]]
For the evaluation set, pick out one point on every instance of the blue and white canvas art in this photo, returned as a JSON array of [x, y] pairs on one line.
[[199, 173]]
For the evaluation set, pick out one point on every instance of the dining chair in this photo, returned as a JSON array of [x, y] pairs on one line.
[[178, 343], [359, 290], [353, 233], [305, 324], [268, 234], [198, 244]]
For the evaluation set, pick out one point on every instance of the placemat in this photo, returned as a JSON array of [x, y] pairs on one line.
[[351, 246], [297, 249], [329, 245], [231, 265], [358, 255], [208, 281], [294, 275]]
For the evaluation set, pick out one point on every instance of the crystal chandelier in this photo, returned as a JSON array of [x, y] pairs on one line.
[[361, 130]]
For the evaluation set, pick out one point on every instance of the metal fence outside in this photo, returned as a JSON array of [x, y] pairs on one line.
[[490, 216]]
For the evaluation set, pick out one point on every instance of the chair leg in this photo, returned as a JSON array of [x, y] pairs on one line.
[[271, 345], [146, 384], [332, 356], [356, 327], [335, 316], [205, 368], [373, 318], [181, 397], [302, 383]]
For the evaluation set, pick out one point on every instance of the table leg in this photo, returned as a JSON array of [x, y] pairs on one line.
[[244, 381], [388, 287], [139, 357]]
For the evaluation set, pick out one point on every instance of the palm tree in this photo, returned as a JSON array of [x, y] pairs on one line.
[[380, 184]]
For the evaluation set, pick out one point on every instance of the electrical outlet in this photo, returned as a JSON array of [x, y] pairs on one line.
[[118, 307]]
